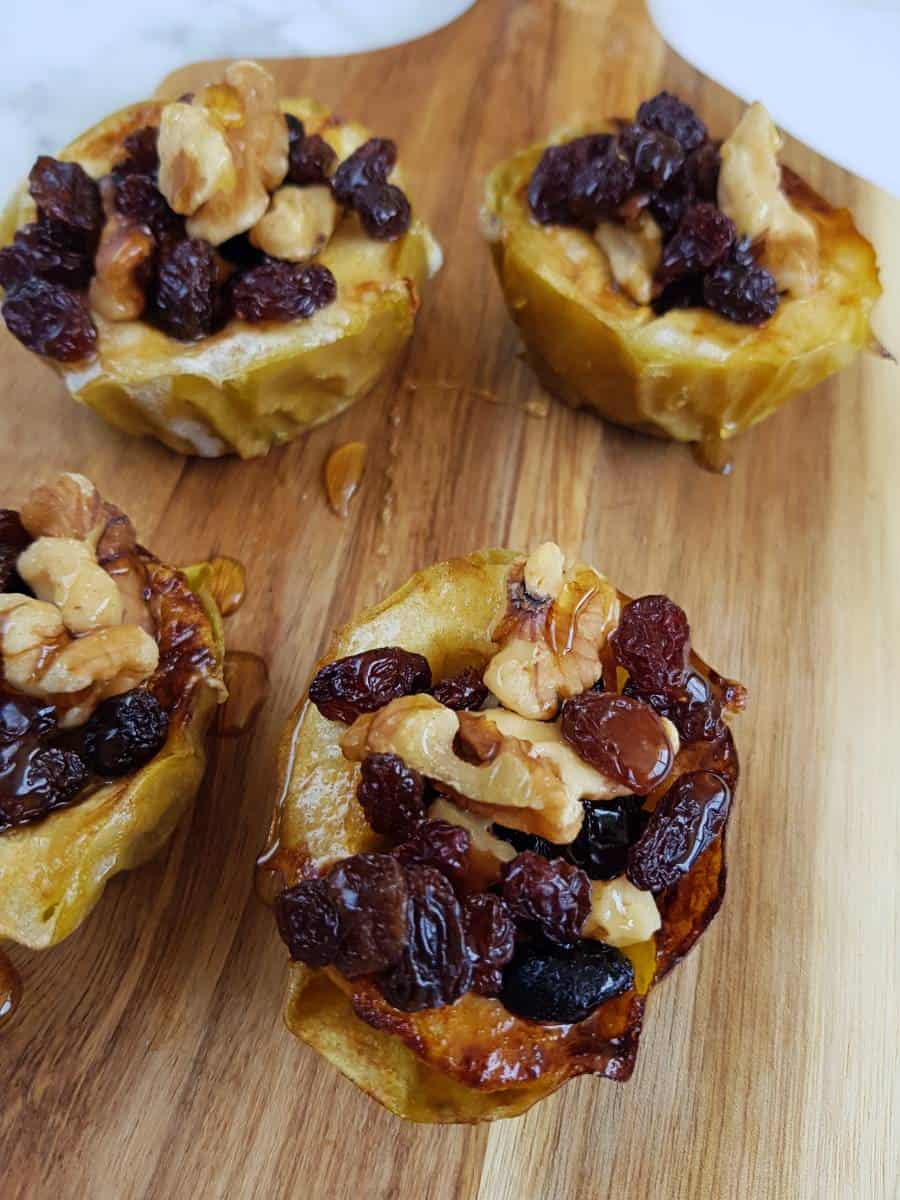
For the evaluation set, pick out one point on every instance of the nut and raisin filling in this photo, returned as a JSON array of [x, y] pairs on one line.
[[533, 808], [683, 221], [218, 213], [78, 652]]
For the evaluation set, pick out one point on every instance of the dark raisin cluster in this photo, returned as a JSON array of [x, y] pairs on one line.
[[361, 183], [414, 918], [43, 768], [652, 643], [666, 163], [48, 265], [192, 289]]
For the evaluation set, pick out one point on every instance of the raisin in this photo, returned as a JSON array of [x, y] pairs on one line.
[[619, 736], [241, 252], [440, 845], [652, 642], [361, 683], [491, 936], [391, 794], [694, 711], [745, 294], [686, 292], [138, 198], [369, 892], [701, 172], [50, 319], [371, 163], [310, 160], [656, 156], [669, 204], [44, 248], [14, 538], [65, 193], [186, 297], [125, 732], [543, 985], [527, 841], [672, 116], [601, 185], [690, 815], [21, 717], [610, 827], [295, 127], [551, 181], [434, 967], [282, 291], [466, 690], [141, 153], [308, 922], [702, 240], [551, 898], [40, 780], [383, 210]]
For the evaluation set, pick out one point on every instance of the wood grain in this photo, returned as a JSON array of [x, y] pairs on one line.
[[149, 1059]]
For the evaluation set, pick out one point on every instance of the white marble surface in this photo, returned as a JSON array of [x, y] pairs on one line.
[[73, 61], [827, 69]]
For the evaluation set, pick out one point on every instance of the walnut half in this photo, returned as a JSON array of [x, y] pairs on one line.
[[551, 635], [536, 786], [223, 152], [41, 658], [750, 193]]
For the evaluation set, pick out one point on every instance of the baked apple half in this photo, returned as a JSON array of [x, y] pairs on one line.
[[222, 271], [501, 820], [112, 667], [675, 284]]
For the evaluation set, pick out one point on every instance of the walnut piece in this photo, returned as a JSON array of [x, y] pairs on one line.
[[544, 571], [223, 152], [536, 787], [69, 507], [750, 193], [65, 572], [634, 252], [621, 914], [298, 224], [41, 658], [195, 160], [123, 258], [550, 643]]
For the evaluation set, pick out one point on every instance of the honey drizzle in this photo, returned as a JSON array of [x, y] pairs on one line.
[[343, 474], [564, 612], [10, 990], [228, 583], [247, 680], [712, 455]]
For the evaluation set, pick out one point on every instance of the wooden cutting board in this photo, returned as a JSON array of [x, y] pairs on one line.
[[149, 1058]]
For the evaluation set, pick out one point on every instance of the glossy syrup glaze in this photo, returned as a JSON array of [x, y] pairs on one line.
[[343, 475], [10, 990], [247, 680], [228, 583]]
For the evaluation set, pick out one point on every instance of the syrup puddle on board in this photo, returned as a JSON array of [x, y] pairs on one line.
[[712, 454], [247, 680], [10, 990], [343, 475], [228, 583]]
